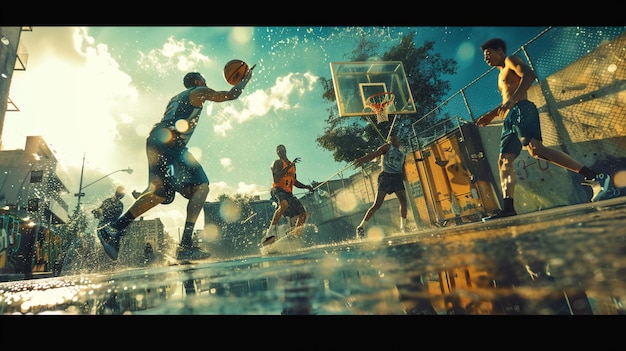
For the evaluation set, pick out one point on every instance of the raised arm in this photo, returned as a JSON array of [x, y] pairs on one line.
[[377, 153], [203, 94], [513, 82]]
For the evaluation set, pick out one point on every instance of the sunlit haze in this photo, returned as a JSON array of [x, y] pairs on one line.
[[95, 92]]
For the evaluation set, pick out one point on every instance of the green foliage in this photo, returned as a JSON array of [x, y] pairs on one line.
[[239, 199], [349, 138]]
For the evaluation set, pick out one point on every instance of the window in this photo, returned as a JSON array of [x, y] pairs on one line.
[[36, 176]]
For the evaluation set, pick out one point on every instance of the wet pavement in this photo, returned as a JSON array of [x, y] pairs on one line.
[[561, 261]]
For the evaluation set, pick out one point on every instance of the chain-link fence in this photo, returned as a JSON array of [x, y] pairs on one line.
[[581, 96]]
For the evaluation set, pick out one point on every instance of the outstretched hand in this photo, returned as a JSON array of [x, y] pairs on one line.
[[249, 72], [489, 116], [296, 160]]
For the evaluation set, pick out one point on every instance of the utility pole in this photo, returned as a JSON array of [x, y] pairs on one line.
[[80, 187]]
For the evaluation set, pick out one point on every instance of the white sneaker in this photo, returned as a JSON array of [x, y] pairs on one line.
[[270, 235], [360, 232], [600, 185]]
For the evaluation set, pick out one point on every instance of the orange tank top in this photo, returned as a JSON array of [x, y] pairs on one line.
[[286, 182]]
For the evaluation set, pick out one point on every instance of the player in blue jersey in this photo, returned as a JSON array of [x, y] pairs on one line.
[[390, 181], [172, 168]]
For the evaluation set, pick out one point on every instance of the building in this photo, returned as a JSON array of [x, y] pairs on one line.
[[13, 57], [31, 190], [142, 233]]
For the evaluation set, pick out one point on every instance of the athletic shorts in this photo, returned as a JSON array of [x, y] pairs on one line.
[[295, 207], [390, 182], [520, 125], [175, 167]]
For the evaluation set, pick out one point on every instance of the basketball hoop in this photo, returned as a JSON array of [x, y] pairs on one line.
[[379, 103]]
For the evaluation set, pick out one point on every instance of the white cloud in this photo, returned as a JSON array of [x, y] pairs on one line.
[[222, 127], [182, 55], [78, 97], [227, 163], [277, 98], [220, 188], [252, 189]]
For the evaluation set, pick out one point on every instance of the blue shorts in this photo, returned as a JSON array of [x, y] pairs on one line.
[[390, 182], [171, 169], [295, 207], [520, 125]]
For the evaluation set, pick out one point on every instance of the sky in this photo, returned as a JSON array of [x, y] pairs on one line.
[[93, 94]]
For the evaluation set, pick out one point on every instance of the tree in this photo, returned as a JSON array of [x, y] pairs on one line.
[[242, 201], [239, 199], [352, 137]]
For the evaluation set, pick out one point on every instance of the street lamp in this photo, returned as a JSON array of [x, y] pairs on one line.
[[81, 187]]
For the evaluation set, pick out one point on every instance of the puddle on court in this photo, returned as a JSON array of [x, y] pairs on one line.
[[567, 261]]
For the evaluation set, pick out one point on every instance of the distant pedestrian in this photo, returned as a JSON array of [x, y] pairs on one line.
[[111, 208], [148, 253]]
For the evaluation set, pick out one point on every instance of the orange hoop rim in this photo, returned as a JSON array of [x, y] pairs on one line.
[[376, 106], [380, 108], [388, 93]]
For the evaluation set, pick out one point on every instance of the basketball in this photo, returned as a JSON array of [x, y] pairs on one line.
[[234, 71]]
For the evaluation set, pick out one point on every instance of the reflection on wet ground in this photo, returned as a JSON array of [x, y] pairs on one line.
[[563, 261]]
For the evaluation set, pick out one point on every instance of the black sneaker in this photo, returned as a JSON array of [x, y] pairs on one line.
[[268, 240], [110, 240], [136, 194], [501, 214], [360, 232], [184, 253]]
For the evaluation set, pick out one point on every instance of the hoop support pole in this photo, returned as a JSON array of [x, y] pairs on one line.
[[332, 176], [395, 116]]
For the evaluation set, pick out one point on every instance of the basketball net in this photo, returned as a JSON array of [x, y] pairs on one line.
[[379, 103]]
